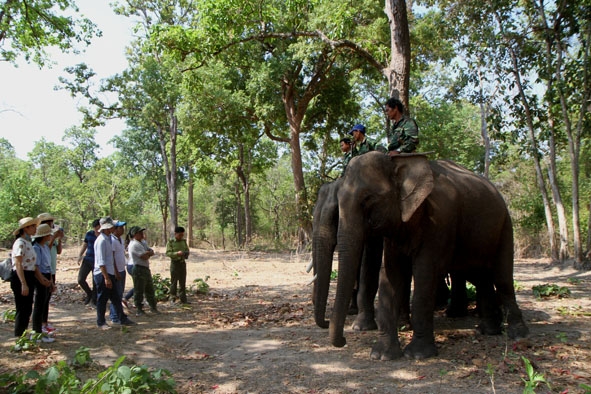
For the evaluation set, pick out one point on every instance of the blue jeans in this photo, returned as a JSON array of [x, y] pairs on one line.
[[120, 286], [104, 294]]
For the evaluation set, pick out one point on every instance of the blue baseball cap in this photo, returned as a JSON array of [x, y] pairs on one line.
[[119, 223], [358, 127]]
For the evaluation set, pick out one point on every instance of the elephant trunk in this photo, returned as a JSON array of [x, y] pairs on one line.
[[350, 253], [322, 254]]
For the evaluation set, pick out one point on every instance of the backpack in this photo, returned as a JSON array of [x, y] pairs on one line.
[[6, 269]]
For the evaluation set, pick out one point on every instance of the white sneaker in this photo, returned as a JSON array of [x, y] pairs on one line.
[[47, 339], [43, 338]]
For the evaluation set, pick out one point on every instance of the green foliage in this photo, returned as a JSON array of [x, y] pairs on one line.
[[161, 287], [550, 290], [562, 337], [451, 130], [201, 285], [572, 311], [585, 387], [27, 341], [82, 356], [470, 291], [517, 286], [123, 379], [9, 315], [26, 28], [533, 378], [334, 274], [118, 378]]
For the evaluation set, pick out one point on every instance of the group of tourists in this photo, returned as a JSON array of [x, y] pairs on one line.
[[34, 260], [403, 136]]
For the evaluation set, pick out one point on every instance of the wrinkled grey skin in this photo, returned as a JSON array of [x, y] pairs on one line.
[[324, 239], [436, 217]]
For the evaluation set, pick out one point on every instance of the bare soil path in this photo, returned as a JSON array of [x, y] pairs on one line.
[[254, 333]]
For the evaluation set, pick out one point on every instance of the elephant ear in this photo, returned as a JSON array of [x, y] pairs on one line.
[[415, 180]]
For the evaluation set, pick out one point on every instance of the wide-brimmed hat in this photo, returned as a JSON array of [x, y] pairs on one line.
[[26, 222], [43, 230], [45, 217], [106, 223], [135, 230]]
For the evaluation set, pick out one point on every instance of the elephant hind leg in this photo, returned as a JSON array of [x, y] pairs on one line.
[[491, 318], [516, 327], [458, 306]]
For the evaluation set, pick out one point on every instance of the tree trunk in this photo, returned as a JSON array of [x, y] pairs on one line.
[[295, 114], [557, 196], [484, 112], [398, 70], [190, 203], [533, 141], [172, 182], [238, 213]]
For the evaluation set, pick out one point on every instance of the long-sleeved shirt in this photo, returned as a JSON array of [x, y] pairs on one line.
[[173, 247], [404, 135]]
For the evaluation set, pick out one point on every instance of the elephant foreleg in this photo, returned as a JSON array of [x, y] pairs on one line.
[[389, 302], [368, 281], [422, 344]]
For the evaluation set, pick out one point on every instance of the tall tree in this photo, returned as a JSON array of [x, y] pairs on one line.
[[28, 27]]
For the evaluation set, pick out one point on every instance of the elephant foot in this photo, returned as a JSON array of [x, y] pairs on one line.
[[420, 349], [353, 310], [517, 331], [362, 323], [338, 342], [490, 327], [381, 351]]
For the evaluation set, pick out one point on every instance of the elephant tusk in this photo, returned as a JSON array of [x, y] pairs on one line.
[[313, 279], [309, 268]]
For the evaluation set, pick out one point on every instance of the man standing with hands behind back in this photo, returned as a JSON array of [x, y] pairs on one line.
[[403, 137]]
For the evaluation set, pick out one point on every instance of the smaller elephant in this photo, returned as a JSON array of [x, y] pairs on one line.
[[324, 240]]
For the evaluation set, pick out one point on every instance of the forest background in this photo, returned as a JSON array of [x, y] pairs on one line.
[[234, 110]]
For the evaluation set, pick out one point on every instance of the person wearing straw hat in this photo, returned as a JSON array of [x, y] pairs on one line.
[[106, 276], [24, 273], [42, 237], [55, 247]]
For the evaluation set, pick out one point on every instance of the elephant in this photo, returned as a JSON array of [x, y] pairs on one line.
[[435, 217], [325, 226], [324, 239]]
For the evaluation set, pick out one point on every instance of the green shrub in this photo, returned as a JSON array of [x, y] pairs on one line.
[[200, 285], [550, 290], [161, 287], [117, 379]]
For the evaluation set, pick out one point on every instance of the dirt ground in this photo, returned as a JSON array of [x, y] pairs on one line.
[[254, 333]]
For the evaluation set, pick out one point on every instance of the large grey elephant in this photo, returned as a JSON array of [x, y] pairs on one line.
[[324, 240], [436, 217]]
